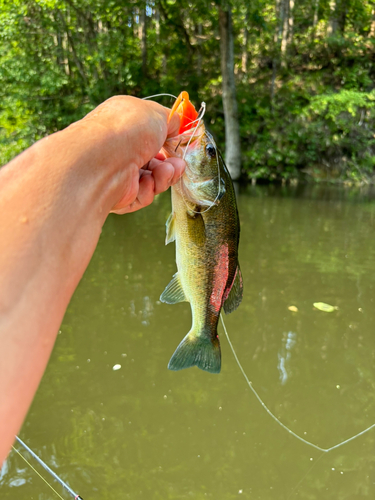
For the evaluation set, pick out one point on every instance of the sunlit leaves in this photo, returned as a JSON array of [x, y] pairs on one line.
[[60, 58], [345, 101]]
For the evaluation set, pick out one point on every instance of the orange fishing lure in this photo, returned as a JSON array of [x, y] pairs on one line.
[[185, 109]]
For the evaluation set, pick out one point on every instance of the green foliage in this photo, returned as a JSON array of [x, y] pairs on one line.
[[332, 106], [307, 110]]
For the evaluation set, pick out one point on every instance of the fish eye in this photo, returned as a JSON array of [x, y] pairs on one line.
[[211, 151]]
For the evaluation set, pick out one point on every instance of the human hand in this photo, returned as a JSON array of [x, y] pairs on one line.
[[54, 200], [137, 130], [154, 178]]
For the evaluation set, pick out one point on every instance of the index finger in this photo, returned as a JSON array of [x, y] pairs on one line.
[[173, 125]]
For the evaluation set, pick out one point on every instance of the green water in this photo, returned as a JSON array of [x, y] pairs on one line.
[[143, 432]]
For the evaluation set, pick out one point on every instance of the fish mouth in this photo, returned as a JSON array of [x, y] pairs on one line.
[[188, 141], [191, 129]]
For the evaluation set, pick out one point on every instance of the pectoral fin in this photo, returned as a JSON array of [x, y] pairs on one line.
[[173, 292], [170, 229], [235, 295]]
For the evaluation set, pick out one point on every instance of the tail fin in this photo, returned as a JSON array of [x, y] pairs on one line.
[[201, 351]]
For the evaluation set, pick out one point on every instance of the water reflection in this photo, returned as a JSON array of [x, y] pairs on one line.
[[284, 356], [143, 432], [143, 312]]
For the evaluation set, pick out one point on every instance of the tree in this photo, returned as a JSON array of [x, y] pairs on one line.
[[232, 128], [60, 58]]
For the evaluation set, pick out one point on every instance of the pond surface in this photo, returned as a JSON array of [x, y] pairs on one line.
[[144, 432]]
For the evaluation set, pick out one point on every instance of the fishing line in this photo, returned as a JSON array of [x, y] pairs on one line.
[[158, 95], [201, 114], [37, 473], [300, 438], [45, 466], [294, 490]]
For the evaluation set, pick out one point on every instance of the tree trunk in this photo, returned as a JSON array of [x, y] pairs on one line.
[[66, 57], [290, 22], [337, 19], [135, 22], [284, 36], [58, 42], [71, 47], [332, 23], [341, 15], [232, 126], [143, 38], [316, 13], [245, 58], [276, 41], [372, 28], [157, 25]]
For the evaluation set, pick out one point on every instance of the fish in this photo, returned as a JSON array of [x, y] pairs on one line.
[[204, 224]]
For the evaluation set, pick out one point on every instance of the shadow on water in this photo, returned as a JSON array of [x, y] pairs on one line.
[[143, 432]]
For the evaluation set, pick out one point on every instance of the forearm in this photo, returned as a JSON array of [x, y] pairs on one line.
[[54, 199], [53, 202]]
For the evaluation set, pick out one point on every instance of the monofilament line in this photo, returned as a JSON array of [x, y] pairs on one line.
[[158, 95], [48, 469], [37, 473], [249, 383], [198, 120], [201, 114]]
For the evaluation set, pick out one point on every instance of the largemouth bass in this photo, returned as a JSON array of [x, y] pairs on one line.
[[205, 226]]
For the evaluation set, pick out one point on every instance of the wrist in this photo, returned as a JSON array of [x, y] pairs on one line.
[[86, 165]]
